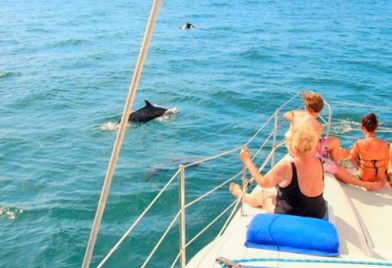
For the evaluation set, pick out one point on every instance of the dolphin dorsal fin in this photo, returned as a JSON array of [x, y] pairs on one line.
[[148, 104]]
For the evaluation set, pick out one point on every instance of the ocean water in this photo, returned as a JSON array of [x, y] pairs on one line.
[[65, 69]]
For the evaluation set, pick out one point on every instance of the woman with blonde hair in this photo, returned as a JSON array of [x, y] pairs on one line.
[[299, 183]]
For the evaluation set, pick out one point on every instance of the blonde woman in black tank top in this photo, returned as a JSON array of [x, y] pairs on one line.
[[300, 183]]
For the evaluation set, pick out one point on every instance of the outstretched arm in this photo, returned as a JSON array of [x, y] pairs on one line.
[[273, 177]]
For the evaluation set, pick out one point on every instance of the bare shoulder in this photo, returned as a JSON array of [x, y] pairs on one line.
[[283, 167], [360, 142], [300, 113], [283, 172], [384, 145], [288, 116]]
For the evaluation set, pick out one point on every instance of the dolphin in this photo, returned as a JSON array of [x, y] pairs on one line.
[[147, 113], [187, 26], [171, 166]]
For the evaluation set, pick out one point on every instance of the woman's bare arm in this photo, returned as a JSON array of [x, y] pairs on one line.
[[272, 178], [354, 152]]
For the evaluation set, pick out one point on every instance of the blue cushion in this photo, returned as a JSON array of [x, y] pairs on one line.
[[293, 234]]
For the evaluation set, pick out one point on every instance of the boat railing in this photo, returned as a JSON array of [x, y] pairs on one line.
[[180, 175]]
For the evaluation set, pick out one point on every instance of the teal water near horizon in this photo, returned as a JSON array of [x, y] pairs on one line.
[[65, 69]]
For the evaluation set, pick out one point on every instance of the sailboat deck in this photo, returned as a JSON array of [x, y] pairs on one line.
[[374, 211], [360, 217]]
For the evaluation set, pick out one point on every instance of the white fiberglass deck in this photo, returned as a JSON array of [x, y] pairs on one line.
[[362, 218]]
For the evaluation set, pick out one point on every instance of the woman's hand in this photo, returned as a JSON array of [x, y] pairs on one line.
[[245, 155]]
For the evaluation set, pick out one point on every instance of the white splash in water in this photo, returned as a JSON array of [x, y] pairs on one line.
[[169, 112], [109, 126], [344, 126], [113, 126]]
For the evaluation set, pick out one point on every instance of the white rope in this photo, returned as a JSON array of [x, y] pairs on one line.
[[231, 178], [120, 134], [198, 162], [136, 222], [323, 119], [248, 142], [271, 117], [175, 260], [160, 240], [237, 202], [267, 159], [262, 146], [213, 190], [215, 240], [290, 100], [209, 225], [260, 129]]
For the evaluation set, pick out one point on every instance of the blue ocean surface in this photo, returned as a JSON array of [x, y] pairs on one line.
[[65, 69]]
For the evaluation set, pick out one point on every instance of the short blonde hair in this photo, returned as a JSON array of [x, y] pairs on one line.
[[313, 101], [301, 140]]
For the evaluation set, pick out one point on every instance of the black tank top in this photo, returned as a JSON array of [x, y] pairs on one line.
[[290, 200]]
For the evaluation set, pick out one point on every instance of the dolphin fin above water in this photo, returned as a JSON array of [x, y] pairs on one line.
[[187, 26], [147, 113]]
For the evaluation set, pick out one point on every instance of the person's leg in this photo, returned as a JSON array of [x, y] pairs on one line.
[[253, 199], [257, 198], [269, 201], [343, 154], [333, 145], [343, 175]]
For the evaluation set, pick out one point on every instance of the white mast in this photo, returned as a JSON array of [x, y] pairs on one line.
[[120, 133]]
